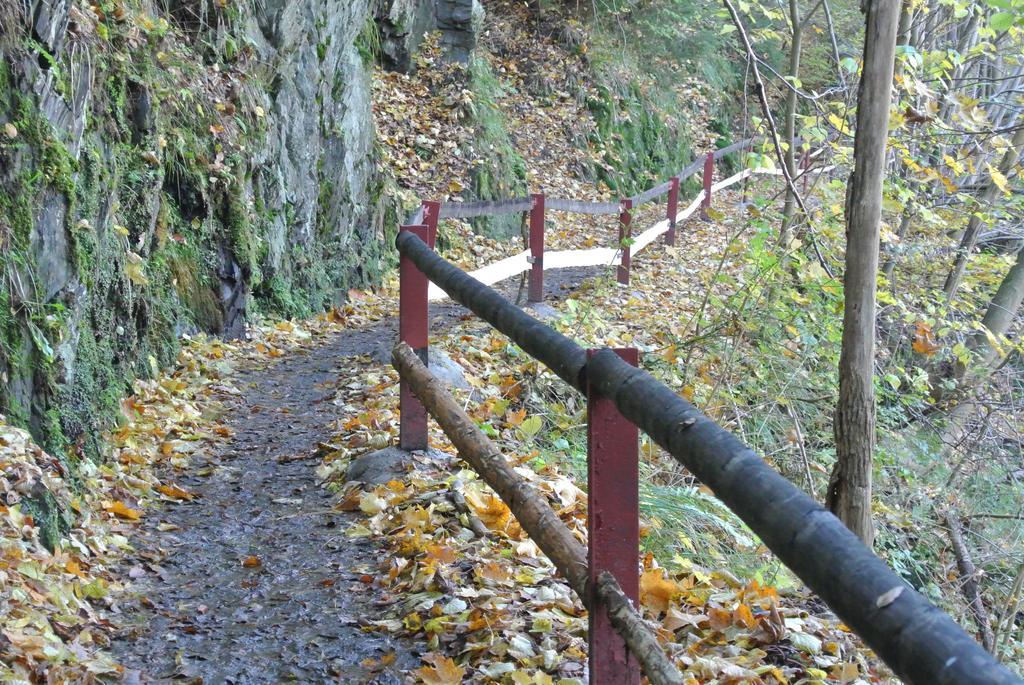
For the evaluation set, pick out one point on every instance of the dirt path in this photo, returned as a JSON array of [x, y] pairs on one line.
[[206, 609], [257, 583]]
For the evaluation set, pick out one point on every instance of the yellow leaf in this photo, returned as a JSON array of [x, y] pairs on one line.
[[371, 503], [174, 492], [742, 615], [412, 622], [993, 341], [442, 553], [656, 591], [122, 510], [998, 178], [134, 269], [252, 562], [494, 572], [491, 510], [839, 124], [441, 671]]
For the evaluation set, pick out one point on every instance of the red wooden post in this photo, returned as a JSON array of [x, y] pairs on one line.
[[613, 527], [673, 209], [625, 235], [412, 330], [536, 289], [709, 172], [431, 213]]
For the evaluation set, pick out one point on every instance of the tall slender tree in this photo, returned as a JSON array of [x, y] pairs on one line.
[[999, 316], [849, 491], [987, 198]]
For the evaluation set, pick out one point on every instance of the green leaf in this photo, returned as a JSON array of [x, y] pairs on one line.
[[531, 426], [41, 343], [1001, 21]]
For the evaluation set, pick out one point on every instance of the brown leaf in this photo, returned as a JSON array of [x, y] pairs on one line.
[[924, 340], [441, 671]]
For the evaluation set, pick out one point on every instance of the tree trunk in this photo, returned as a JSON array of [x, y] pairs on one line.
[[1001, 312], [969, 582], [849, 492], [890, 260], [789, 208], [988, 196]]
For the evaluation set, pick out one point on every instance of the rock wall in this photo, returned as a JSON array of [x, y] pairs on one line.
[[402, 24], [169, 167]]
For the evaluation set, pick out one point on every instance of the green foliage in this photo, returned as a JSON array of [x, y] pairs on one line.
[[369, 41], [503, 172], [639, 144]]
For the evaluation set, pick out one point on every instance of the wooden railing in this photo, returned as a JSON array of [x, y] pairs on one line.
[[536, 259], [918, 641]]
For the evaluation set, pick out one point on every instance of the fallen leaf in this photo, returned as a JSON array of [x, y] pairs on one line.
[[441, 671], [175, 492], [656, 591], [122, 510]]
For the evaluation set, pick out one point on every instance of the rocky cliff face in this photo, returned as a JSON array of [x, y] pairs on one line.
[[169, 166]]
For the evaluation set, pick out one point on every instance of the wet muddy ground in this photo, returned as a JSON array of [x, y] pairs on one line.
[[258, 583]]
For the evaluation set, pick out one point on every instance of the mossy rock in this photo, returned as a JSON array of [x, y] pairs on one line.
[[47, 514]]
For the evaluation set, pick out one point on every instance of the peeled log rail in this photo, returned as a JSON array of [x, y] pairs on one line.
[[918, 641], [536, 517]]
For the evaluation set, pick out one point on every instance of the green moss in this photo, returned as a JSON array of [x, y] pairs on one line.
[[281, 298], [321, 48], [194, 287], [503, 172], [241, 227], [53, 523], [369, 41], [52, 430], [91, 401], [640, 144], [56, 164]]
